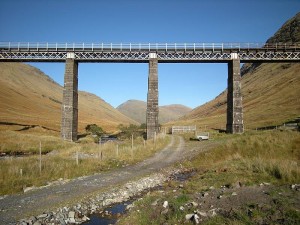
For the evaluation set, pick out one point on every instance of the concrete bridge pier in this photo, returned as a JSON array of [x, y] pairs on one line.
[[69, 123], [152, 98], [235, 122]]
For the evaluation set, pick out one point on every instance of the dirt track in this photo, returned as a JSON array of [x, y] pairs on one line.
[[15, 207]]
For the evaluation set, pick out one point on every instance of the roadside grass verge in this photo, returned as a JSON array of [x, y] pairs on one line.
[[248, 159], [71, 160], [15, 142]]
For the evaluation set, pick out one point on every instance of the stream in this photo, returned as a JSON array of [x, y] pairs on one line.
[[111, 214]]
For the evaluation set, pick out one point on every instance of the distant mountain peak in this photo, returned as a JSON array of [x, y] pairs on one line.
[[136, 109]]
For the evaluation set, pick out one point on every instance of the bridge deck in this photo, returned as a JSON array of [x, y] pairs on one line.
[[195, 52]]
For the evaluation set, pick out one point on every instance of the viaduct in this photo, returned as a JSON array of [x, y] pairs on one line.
[[73, 53]]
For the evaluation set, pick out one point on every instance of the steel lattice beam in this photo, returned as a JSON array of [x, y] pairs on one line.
[[143, 56]]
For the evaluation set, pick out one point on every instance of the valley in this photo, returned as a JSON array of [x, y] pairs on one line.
[[247, 178]]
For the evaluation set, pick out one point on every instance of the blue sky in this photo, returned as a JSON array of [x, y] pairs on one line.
[[139, 21]]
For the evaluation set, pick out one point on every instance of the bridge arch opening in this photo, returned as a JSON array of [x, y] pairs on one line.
[[193, 85]]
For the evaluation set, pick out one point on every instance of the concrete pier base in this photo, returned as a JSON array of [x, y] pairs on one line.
[[69, 123], [152, 98], [235, 122]]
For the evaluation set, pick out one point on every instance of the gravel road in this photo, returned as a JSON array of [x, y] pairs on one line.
[[15, 207]]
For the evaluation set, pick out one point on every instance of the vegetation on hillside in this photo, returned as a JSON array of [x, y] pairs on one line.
[[268, 157], [29, 97], [136, 110], [270, 91], [67, 160]]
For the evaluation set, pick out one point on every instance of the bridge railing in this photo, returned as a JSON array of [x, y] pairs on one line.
[[23, 46]]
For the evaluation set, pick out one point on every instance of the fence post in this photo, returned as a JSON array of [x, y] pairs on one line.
[[21, 172], [131, 141], [77, 158], [40, 160], [100, 152]]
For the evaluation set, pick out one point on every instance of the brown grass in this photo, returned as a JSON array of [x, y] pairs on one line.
[[251, 158], [270, 97], [28, 96], [62, 161]]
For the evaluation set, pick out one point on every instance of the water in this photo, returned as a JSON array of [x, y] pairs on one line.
[[118, 210], [183, 176], [111, 217]]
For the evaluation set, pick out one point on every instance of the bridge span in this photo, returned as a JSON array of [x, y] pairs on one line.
[[152, 53]]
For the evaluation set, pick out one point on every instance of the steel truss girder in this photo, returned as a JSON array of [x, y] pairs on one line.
[[93, 56], [28, 56]]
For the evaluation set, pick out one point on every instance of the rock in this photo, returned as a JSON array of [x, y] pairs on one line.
[[189, 216], [62, 222], [85, 218], [296, 187], [264, 184], [205, 194], [77, 213], [155, 202], [238, 184], [130, 206], [26, 189], [71, 214], [194, 204], [196, 218], [212, 212], [166, 204], [181, 208], [234, 194], [165, 211], [37, 223], [180, 186], [203, 214], [220, 196], [33, 219], [42, 216], [211, 188], [193, 217], [72, 220]]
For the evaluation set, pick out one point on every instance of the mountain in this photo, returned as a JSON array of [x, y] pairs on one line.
[[136, 110], [28, 96], [270, 90]]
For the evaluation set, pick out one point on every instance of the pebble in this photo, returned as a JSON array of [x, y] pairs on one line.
[[166, 204], [165, 211], [189, 216], [194, 204], [155, 202], [296, 187], [26, 189], [203, 214], [205, 194], [42, 216], [78, 213]]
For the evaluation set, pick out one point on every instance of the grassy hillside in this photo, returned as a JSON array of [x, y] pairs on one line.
[[270, 91], [28, 96], [136, 110], [270, 97]]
